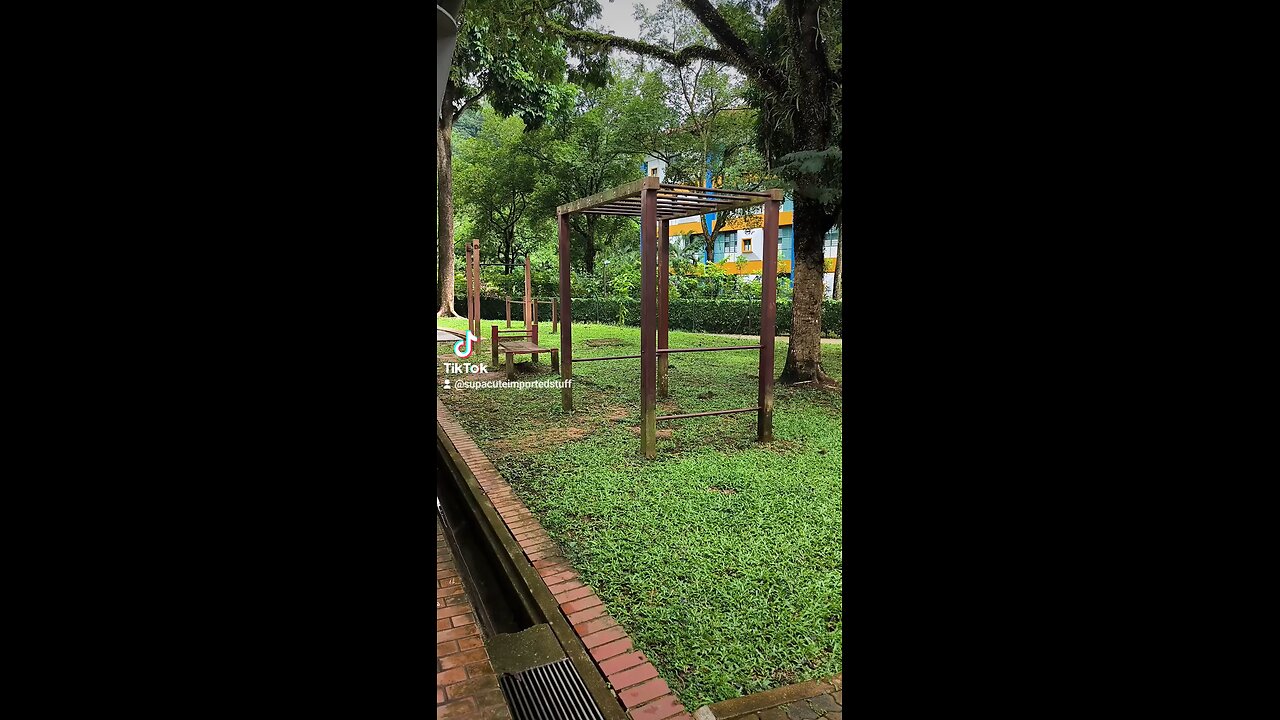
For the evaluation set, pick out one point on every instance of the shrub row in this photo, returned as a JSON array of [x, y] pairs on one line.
[[741, 317]]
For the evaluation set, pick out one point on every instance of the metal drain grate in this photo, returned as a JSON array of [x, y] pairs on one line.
[[549, 692]]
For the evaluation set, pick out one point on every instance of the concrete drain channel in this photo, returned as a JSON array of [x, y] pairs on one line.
[[543, 669]]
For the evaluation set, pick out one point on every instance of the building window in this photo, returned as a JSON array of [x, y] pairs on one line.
[[726, 247], [653, 172], [746, 244], [832, 239]]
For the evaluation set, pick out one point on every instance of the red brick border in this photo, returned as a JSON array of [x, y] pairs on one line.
[[635, 681], [465, 684]]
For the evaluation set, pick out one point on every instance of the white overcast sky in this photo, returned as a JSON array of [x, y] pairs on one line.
[[617, 16]]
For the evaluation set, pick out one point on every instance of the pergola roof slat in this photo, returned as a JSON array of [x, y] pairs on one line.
[[673, 201]]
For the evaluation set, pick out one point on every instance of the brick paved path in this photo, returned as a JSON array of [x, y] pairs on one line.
[[465, 683], [820, 706], [636, 682], [802, 701]]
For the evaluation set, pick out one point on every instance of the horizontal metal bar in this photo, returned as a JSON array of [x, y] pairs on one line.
[[664, 351], [611, 357], [709, 413]]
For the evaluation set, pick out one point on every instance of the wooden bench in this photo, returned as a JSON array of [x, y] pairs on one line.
[[511, 347]]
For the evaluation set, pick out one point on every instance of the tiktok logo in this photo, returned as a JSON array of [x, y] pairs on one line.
[[463, 348]]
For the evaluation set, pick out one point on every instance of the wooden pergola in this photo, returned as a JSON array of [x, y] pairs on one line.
[[657, 204]]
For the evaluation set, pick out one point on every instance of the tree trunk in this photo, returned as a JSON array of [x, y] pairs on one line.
[[591, 245], [835, 283], [444, 210], [804, 351], [812, 131]]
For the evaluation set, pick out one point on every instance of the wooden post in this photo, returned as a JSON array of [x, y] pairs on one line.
[[566, 321], [534, 357], [768, 316], [553, 314], [529, 301], [664, 282], [495, 345], [648, 320], [471, 283], [475, 276], [508, 311], [471, 288]]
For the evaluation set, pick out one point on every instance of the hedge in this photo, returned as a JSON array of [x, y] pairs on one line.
[[739, 317]]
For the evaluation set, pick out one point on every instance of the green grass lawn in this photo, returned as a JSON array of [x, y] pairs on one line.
[[721, 558]]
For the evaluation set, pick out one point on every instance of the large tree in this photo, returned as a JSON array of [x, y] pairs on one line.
[[597, 146], [497, 185], [790, 53], [506, 56]]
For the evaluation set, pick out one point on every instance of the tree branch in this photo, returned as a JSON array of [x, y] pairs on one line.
[[750, 63], [604, 40], [470, 101], [744, 58]]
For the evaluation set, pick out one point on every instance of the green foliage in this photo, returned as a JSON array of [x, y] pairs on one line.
[[495, 187], [593, 147], [813, 173], [502, 54]]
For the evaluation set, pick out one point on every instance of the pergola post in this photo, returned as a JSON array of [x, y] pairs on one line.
[[473, 289], [553, 314], [648, 321], [768, 316], [649, 198], [566, 317], [664, 283], [508, 311], [528, 296], [471, 317], [471, 283]]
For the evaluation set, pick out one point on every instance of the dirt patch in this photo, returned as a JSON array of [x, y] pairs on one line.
[[669, 406], [604, 342], [660, 434], [616, 414], [706, 395], [722, 490], [785, 446], [541, 440]]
